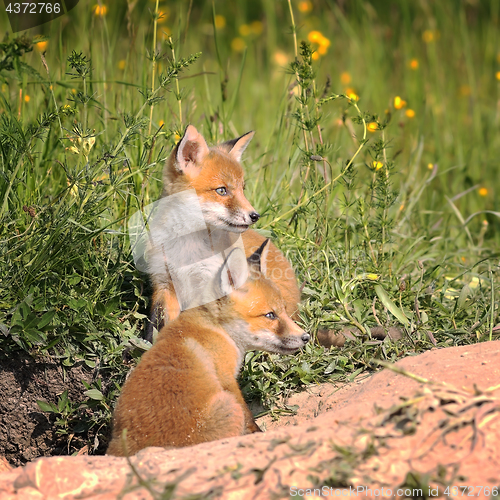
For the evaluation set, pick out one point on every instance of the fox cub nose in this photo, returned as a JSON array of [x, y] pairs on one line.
[[254, 216], [305, 338]]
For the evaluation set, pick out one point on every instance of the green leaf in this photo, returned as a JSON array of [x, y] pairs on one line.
[[4, 329], [25, 310], [100, 309], [77, 304], [74, 280], [309, 291], [95, 394], [46, 319], [462, 298], [34, 336], [44, 406], [63, 401], [389, 304], [331, 367]]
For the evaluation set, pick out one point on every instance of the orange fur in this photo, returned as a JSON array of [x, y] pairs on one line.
[[193, 165], [184, 391]]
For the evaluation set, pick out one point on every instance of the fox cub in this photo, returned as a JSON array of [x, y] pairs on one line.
[[203, 211], [184, 390]]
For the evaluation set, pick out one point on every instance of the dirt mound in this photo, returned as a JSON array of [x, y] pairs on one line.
[[26, 432], [389, 431]]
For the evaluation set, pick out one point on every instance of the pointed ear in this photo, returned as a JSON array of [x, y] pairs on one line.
[[191, 150], [257, 262], [234, 271], [236, 147]]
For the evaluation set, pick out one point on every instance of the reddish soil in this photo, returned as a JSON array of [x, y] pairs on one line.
[[438, 429]]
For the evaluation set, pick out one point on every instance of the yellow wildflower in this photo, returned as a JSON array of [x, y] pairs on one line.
[[160, 123], [324, 42], [220, 21], [345, 78], [497, 75], [41, 46], [399, 103], [100, 10], [315, 56], [305, 6], [317, 38], [429, 36], [351, 93], [121, 64], [163, 16], [377, 165], [257, 27], [410, 113], [430, 166], [414, 64], [280, 58], [372, 127], [27, 98], [238, 44], [244, 30], [314, 36], [483, 191]]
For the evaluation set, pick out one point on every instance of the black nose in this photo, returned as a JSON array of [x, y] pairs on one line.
[[305, 338], [254, 216]]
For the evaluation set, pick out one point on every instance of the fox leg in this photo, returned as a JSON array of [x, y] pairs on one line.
[[165, 308], [250, 424], [225, 418]]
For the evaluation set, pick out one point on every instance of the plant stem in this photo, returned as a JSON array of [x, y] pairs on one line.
[[153, 52], [179, 100]]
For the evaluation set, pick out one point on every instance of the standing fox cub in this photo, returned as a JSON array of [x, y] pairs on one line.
[[203, 211], [184, 390]]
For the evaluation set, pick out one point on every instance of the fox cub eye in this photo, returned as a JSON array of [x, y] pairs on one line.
[[271, 315], [222, 191]]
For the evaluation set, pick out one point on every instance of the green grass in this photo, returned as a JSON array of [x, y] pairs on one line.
[[401, 228]]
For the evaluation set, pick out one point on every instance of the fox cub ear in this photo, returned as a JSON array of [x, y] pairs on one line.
[[257, 262], [235, 147], [234, 271], [191, 149]]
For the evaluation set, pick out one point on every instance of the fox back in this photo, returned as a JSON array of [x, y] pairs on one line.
[[184, 391]]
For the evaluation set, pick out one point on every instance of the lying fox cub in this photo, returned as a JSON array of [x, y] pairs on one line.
[[203, 211], [184, 390]]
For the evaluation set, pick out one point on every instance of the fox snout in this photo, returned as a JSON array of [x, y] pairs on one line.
[[254, 217], [294, 340], [240, 209]]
